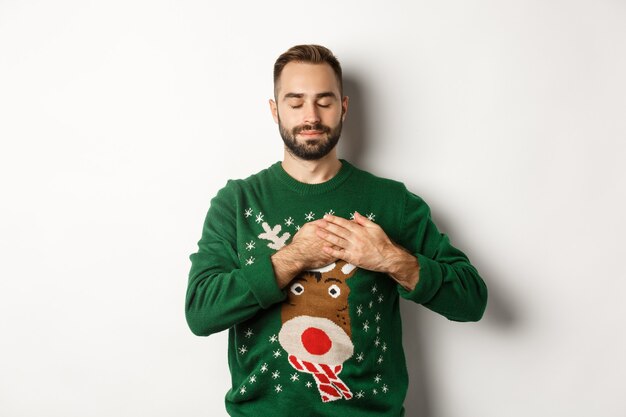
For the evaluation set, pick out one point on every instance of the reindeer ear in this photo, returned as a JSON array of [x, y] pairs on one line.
[[346, 268]]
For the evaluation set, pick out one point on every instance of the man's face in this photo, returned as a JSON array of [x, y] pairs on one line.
[[309, 109]]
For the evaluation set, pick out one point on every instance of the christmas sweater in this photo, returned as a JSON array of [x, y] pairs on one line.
[[330, 342]]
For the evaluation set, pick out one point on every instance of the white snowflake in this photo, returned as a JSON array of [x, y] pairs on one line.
[[248, 212], [294, 377], [253, 379], [275, 374], [360, 357], [277, 353], [360, 394], [380, 298], [273, 338], [371, 303], [366, 325], [331, 212], [384, 348], [374, 289], [250, 245], [377, 317], [352, 215], [377, 342], [371, 216], [385, 388], [374, 391], [243, 349], [264, 368], [297, 227], [289, 221], [310, 216], [249, 333], [242, 390], [278, 388], [377, 378], [380, 359], [308, 384], [259, 217], [377, 329], [250, 261], [359, 310]]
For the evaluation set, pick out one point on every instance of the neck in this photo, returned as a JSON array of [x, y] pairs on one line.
[[312, 172]]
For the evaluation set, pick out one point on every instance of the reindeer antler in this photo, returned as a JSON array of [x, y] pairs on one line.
[[271, 234]]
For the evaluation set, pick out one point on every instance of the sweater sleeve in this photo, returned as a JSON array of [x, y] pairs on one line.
[[448, 283], [220, 293]]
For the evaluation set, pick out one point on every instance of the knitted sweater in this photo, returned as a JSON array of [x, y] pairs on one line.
[[329, 343]]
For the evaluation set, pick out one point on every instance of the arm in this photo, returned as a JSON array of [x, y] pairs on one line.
[[221, 292], [447, 283]]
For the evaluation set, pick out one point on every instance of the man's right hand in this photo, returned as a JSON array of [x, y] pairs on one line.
[[305, 251]]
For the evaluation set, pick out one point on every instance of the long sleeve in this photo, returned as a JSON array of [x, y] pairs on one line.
[[448, 283], [220, 292]]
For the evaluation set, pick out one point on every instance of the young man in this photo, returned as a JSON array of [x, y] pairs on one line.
[[305, 261]]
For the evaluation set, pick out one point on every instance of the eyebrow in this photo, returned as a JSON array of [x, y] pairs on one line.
[[317, 96], [333, 279]]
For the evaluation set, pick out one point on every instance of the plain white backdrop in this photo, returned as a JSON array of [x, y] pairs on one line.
[[119, 121]]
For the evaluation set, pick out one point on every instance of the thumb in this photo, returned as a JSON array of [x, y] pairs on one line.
[[361, 219]]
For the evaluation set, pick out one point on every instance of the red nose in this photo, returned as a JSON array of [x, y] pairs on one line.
[[316, 341]]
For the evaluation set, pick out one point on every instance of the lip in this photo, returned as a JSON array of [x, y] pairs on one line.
[[311, 133]]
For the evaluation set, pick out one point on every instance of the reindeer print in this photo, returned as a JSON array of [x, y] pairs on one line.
[[316, 329]]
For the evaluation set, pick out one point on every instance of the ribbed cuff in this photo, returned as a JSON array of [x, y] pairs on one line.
[[429, 282], [261, 278]]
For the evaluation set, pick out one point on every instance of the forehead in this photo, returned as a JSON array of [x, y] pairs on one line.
[[307, 78]]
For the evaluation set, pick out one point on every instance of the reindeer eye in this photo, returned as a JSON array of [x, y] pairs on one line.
[[334, 291], [297, 288]]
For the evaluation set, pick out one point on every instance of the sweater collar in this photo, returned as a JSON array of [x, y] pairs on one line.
[[303, 188]]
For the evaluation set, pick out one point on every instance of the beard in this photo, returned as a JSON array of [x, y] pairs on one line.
[[311, 149]]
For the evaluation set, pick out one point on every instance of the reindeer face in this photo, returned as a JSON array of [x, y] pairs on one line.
[[315, 316]]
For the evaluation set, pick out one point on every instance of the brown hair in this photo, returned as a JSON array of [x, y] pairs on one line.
[[312, 54]]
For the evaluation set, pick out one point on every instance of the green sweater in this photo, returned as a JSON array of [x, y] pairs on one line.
[[330, 343]]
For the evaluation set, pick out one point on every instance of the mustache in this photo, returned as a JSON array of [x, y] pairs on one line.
[[317, 126]]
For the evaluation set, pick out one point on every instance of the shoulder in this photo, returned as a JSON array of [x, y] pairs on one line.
[[372, 179]]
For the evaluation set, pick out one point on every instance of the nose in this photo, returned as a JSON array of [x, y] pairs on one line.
[[311, 114], [316, 341]]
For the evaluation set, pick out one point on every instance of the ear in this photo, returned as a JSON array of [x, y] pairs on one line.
[[344, 107], [274, 110]]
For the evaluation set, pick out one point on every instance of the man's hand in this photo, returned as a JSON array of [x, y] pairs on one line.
[[305, 251], [365, 244]]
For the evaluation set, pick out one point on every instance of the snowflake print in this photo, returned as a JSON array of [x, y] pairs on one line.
[[359, 310], [253, 379], [249, 333], [331, 212], [377, 378], [385, 388], [371, 216], [384, 348], [278, 388], [374, 391], [289, 221], [264, 368], [242, 390], [310, 216], [352, 215], [297, 227], [243, 349], [294, 377], [275, 375], [380, 298], [380, 359], [259, 217], [360, 394], [377, 318], [273, 338], [250, 245], [371, 303], [366, 325], [377, 342], [276, 353], [377, 329], [360, 357], [250, 261], [308, 384], [248, 212], [374, 289]]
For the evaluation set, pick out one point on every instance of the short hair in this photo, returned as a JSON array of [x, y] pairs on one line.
[[310, 54]]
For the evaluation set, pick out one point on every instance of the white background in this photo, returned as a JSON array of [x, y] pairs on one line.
[[119, 120]]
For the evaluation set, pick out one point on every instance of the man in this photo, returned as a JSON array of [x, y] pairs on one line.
[[305, 261]]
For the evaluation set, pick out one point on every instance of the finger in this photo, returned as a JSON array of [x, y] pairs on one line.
[[340, 221], [338, 230], [362, 220], [332, 238], [334, 252]]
